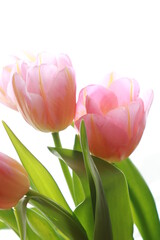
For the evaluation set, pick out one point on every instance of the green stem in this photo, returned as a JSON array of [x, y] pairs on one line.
[[64, 166]]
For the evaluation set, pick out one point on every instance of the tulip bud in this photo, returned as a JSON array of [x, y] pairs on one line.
[[14, 182]]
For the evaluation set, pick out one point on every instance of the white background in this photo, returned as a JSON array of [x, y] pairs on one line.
[[100, 37]]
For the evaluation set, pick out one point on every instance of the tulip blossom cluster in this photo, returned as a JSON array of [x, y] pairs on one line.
[[43, 90]]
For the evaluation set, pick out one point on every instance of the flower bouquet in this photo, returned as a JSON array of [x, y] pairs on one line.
[[108, 192]]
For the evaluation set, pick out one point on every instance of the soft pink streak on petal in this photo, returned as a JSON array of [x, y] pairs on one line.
[[61, 97], [30, 105]]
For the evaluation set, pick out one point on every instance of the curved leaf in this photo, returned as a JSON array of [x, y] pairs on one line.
[[143, 206], [8, 218], [115, 187], [84, 213], [79, 195], [40, 177], [3, 225], [67, 223], [20, 214], [102, 227], [41, 226]]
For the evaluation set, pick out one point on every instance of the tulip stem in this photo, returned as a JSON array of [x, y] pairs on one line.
[[64, 166]]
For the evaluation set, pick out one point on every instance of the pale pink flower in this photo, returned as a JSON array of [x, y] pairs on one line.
[[114, 115], [14, 182], [44, 91]]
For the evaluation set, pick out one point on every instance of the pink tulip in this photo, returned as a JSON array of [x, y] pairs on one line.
[[14, 182], [115, 117], [44, 91]]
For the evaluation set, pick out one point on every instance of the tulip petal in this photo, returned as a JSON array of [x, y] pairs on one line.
[[115, 136], [30, 105], [81, 104], [61, 98], [125, 89], [100, 100], [147, 99]]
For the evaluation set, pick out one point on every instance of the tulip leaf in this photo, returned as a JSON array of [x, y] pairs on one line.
[[67, 223], [31, 235], [102, 226], [41, 226], [8, 218], [115, 187], [79, 195], [84, 213], [3, 225], [143, 206], [40, 177], [20, 214]]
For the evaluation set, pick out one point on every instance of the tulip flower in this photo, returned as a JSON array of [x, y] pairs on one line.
[[14, 182], [44, 91], [114, 115]]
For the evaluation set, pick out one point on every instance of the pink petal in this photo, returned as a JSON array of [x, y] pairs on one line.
[[147, 99], [100, 100], [61, 97], [40, 78], [30, 105], [125, 89], [115, 136], [81, 104]]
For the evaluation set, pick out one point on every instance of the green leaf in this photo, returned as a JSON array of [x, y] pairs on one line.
[[41, 226], [3, 225], [84, 213], [20, 214], [102, 227], [67, 223], [143, 206], [40, 177], [79, 195], [115, 187], [8, 218], [31, 235]]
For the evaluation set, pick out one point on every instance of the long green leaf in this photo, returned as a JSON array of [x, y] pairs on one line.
[[41, 226], [20, 214], [115, 188], [102, 227], [3, 225], [143, 205], [8, 218], [40, 177], [84, 213], [31, 235], [79, 195], [67, 223]]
